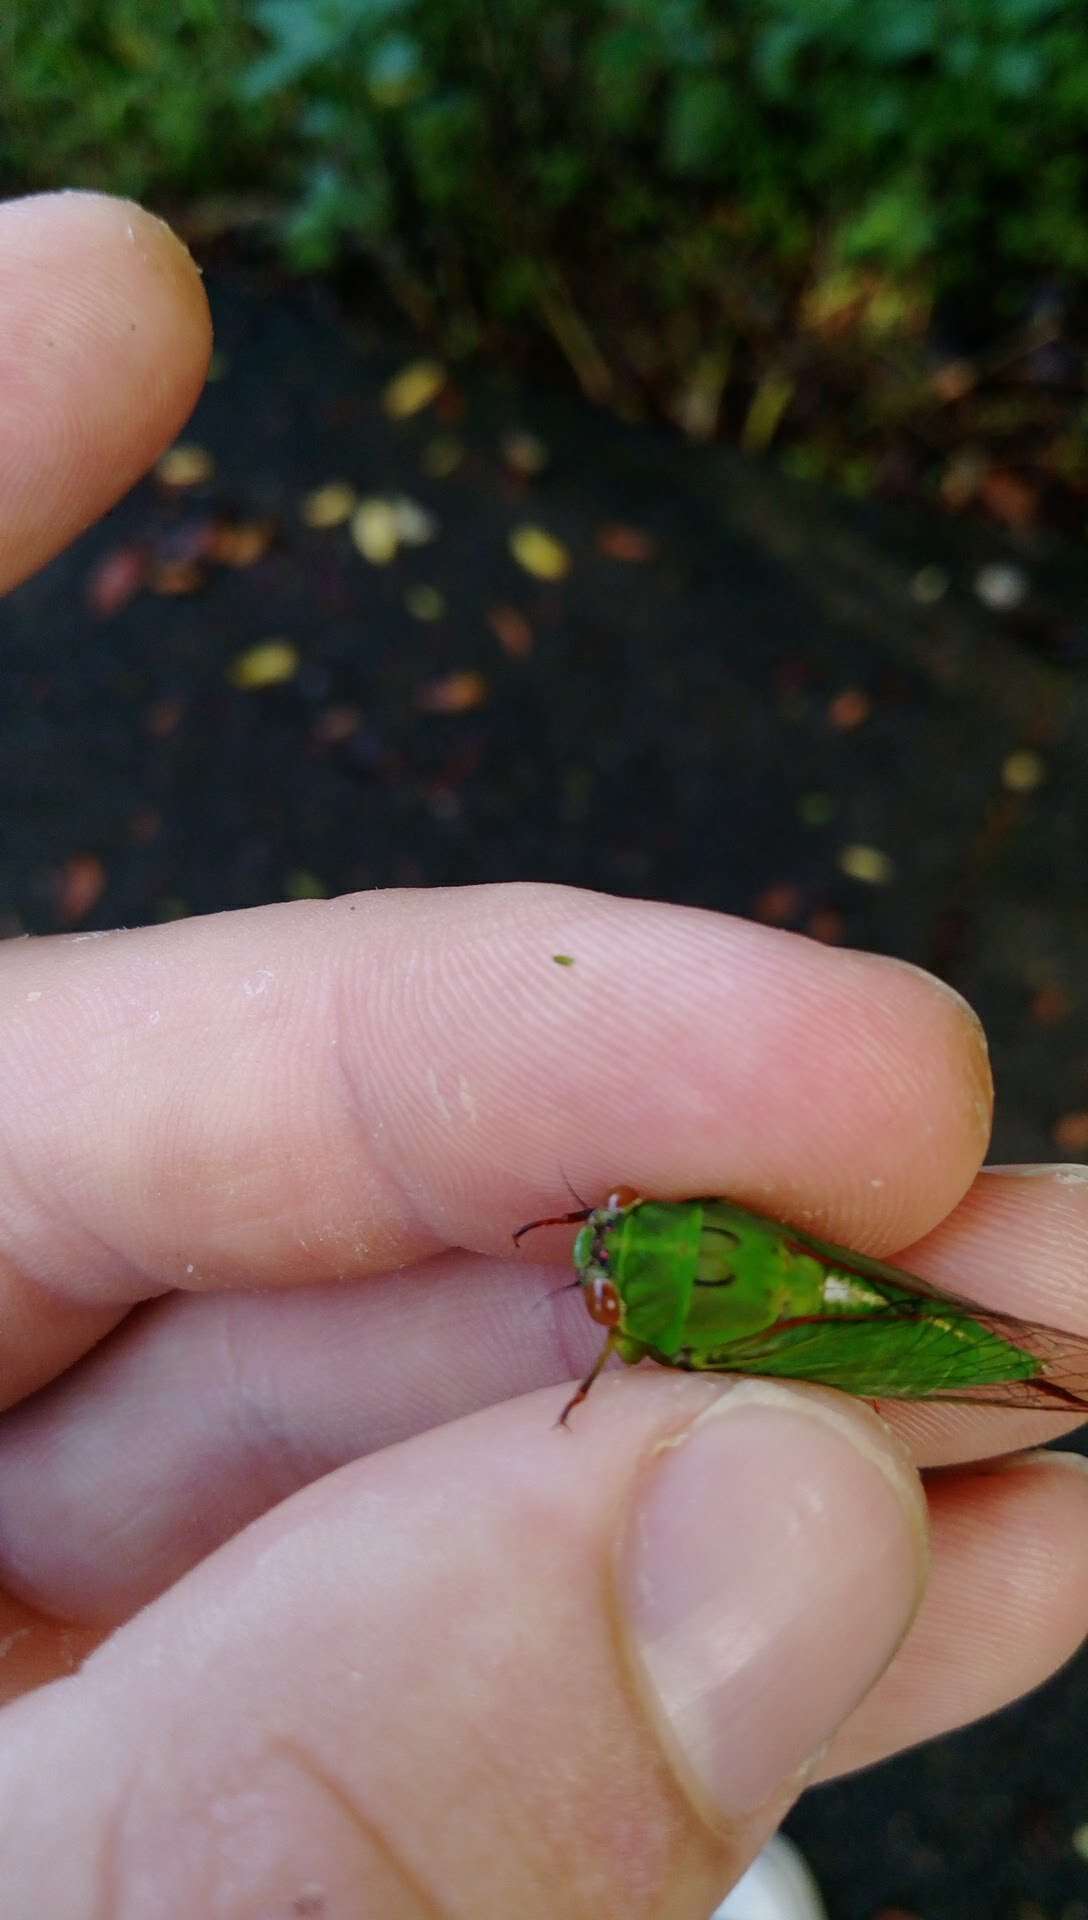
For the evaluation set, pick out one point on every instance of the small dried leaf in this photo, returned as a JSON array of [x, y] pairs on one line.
[[849, 709], [1070, 1132], [185, 466], [1051, 1006], [816, 809], [115, 580], [961, 479], [80, 885], [270, 664], [954, 380], [1023, 771], [769, 403], [336, 724], [425, 603], [415, 525], [458, 692], [619, 542], [525, 453], [164, 718], [778, 904], [441, 457], [144, 826], [329, 506], [867, 864], [827, 925], [540, 553], [929, 585], [451, 406], [413, 388], [375, 532], [241, 543], [304, 885], [1001, 585], [512, 631], [1009, 497], [697, 407], [174, 578]]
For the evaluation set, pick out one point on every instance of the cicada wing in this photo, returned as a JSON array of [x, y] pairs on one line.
[[928, 1350], [1062, 1376]]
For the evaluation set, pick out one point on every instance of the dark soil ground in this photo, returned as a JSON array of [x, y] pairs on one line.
[[741, 694]]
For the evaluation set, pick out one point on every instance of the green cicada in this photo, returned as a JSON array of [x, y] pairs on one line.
[[709, 1286]]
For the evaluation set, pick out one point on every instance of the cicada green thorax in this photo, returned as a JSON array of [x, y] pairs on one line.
[[634, 1259], [676, 1278]]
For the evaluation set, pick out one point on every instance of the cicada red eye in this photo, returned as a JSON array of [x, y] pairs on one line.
[[620, 1198], [603, 1302]]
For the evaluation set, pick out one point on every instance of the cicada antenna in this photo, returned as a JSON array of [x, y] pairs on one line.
[[572, 1190], [554, 1293], [554, 1220]]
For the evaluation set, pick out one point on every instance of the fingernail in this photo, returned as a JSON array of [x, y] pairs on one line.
[[161, 249], [981, 1088], [1064, 1173], [771, 1566], [1062, 1458]]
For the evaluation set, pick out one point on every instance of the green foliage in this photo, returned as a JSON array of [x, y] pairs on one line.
[[574, 162], [133, 98]]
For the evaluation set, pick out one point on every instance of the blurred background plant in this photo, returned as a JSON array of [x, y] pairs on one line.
[[855, 229]]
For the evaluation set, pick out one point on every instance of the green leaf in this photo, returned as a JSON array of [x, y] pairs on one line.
[[307, 33], [1018, 72], [560, 175], [894, 226], [698, 123], [774, 59], [624, 62], [394, 72], [895, 32], [444, 138], [1024, 13], [334, 210]]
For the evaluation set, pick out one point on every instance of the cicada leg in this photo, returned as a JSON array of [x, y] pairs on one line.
[[597, 1367]]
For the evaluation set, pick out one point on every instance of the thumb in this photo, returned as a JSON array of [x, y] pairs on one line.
[[497, 1669]]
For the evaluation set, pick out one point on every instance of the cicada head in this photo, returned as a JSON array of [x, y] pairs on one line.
[[594, 1254]]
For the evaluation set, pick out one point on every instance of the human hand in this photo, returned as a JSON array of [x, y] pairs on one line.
[[274, 1377]]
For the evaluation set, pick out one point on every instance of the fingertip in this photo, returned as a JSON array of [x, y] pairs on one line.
[[107, 342], [947, 1011], [755, 1636]]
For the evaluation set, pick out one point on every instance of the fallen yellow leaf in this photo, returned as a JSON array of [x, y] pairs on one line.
[[267, 665], [867, 864], [456, 692], [441, 457], [1023, 771], [413, 388], [415, 526], [425, 603], [329, 506], [540, 553], [185, 466], [375, 531]]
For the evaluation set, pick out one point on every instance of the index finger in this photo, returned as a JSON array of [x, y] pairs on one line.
[[106, 338], [321, 1090]]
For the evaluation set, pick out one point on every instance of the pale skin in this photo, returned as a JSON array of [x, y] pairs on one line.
[[483, 1667]]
